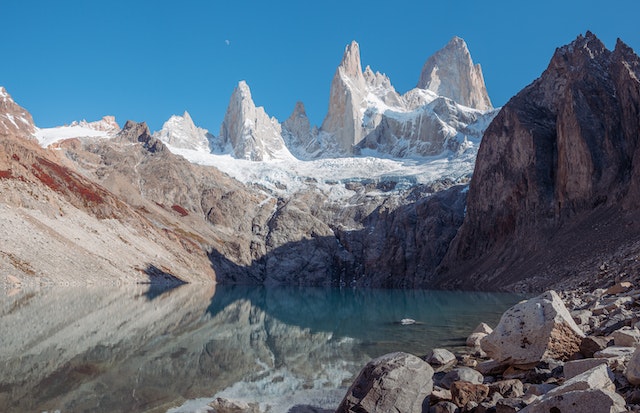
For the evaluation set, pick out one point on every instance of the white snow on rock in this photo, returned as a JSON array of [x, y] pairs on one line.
[[104, 128]]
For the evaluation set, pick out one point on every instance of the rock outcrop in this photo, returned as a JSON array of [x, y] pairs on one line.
[[14, 119], [450, 72], [247, 132], [561, 155]]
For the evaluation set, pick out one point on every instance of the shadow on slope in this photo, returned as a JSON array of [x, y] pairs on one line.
[[397, 247]]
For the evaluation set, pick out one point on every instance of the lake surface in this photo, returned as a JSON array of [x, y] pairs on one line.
[[134, 349]]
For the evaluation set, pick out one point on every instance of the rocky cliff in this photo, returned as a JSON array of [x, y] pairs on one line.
[[555, 185], [14, 119]]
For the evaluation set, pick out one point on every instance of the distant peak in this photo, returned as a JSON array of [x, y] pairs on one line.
[[351, 60], [450, 72], [243, 90], [299, 109]]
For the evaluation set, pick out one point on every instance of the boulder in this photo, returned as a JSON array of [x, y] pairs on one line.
[[576, 367], [534, 330], [592, 390], [461, 374], [483, 328], [626, 337], [444, 407], [474, 339], [509, 405], [393, 382], [599, 377], [507, 388], [463, 392], [592, 344], [632, 371], [615, 352], [591, 400], [440, 357]]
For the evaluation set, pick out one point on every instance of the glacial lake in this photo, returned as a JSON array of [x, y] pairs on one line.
[[142, 349]]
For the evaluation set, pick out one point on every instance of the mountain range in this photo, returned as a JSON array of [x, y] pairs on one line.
[[378, 195]]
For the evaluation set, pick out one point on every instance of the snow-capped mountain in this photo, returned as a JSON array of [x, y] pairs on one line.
[[181, 132], [248, 132], [447, 113], [365, 110]]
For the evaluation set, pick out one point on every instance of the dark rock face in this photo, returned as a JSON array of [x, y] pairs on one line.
[[563, 152]]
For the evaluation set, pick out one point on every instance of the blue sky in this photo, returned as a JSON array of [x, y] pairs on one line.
[[146, 60]]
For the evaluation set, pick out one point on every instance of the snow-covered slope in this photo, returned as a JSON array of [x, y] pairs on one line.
[[104, 128]]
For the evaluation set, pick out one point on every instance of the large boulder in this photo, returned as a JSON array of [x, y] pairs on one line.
[[632, 371], [394, 382], [533, 330], [592, 391]]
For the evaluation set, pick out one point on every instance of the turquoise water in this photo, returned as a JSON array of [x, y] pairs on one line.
[[99, 349]]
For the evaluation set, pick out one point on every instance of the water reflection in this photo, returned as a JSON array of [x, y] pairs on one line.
[[95, 349]]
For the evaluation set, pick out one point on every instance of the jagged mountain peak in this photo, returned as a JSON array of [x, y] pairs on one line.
[[350, 64], [450, 72], [14, 119], [181, 132], [248, 132]]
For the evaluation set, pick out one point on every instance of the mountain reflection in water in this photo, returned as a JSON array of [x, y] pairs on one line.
[[106, 349]]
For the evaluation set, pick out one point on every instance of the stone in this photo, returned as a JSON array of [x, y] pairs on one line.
[[590, 400], [440, 357], [619, 288], [599, 377], [576, 367], [534, 330], [509, 405], [463, 392], [538, 389], [626, 337], [474, 339], [615, 352], [438, 393], [461, 374], [444, 407], [395, 381], [592, 344], [632, 370], [489, 367], [507, 388], [483, 328]]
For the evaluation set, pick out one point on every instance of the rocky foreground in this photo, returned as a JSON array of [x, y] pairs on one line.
[[568, 352]]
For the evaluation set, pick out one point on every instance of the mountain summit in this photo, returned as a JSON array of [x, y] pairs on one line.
[[450, 72], [248, 132]]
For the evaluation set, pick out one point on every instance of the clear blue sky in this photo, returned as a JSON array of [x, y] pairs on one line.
[[146, 60]]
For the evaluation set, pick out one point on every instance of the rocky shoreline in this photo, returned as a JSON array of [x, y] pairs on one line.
[[563, 352], [548, 354]]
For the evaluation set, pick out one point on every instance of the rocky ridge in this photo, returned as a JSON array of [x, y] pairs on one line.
[[366, 112], [554, 191]]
